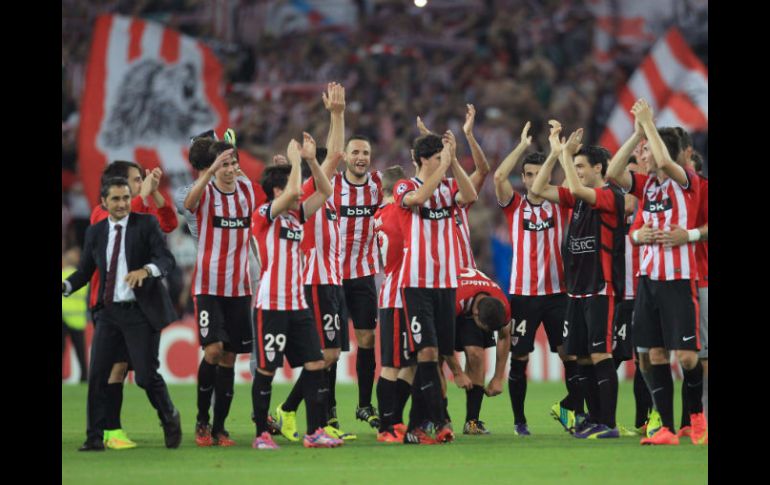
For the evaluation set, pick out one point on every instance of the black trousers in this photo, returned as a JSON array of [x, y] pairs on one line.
[[118, 326]]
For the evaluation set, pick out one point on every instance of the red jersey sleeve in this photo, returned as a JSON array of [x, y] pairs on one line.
[[566, 198], [400, 190], [605, 200], [308, 189], [204, 198], [638, 219], [167, 218], [455, 191], [99, 213], [261, 218], [512, 204], [638, 181]]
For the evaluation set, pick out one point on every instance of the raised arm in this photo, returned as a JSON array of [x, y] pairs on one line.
[[195, 194], [467, 194], [617, 170], [293, 190], [334, 101], [643, 113], [423, 193], [541, 187], [568, 151], [482, 166], [503, 187], [323, 186]]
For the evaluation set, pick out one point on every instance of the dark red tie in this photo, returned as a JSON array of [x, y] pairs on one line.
[[109, 285]]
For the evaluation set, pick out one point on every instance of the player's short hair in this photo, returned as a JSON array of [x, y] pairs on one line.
[[390, 176], [359, 137], [685, 140], [200, 157], [697, 160], [536, 158], [218, 147], [492, 313], [275, 176], [426, 146], [672, 141], [119, 168], [596, 155], [632, 160], [109, 182]]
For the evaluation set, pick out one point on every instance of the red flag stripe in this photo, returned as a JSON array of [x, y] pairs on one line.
[[135, 33], [169, 48]]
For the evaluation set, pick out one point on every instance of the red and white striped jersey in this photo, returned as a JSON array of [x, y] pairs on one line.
[[470, 283], [431, 246], [321, 242], [356, 205], [665, 204], [390, 241], [632, 257], [702, 247], [536, 236], [464, 235], [278, 240], [224, 220]]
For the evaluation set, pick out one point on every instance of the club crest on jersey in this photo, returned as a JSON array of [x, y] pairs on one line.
[[373, 191], [514, 340], [401, 189], [659, 206], [330, 334], [204, 332], [417, 338], [270, 355]]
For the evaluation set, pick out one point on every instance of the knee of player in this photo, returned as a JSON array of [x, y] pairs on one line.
[[264, 372], [213, 353], [331, 356], [227, 359], [688, 359], [365, 338], [389, 373], [658, 356], [428, 354]]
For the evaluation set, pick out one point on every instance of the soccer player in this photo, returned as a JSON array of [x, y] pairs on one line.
[[146, 199], [221, 286], [481, 309], [357, 195], [398, 362], [430, 267], [323, 272], [593, 272], [284, 324], [666, 309], [537, 227], [474, 355]]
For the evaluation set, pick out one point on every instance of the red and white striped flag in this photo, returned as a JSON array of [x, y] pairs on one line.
[[148, 90], [675, 83]]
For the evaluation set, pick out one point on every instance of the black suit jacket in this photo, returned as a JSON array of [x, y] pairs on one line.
[[144, 245]]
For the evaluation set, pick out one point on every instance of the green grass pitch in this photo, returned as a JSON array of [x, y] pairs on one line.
[[550, 455]]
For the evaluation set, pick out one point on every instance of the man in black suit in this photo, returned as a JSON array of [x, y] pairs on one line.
[[133, 306]]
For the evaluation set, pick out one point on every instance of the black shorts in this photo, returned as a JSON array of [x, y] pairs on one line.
[[588, 325], [225, 319], [396, 350], [289, 333], [528, 312], [666, 315], [468, 334], [430, 318], [325, 305], [361, 302], [622, 344]]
